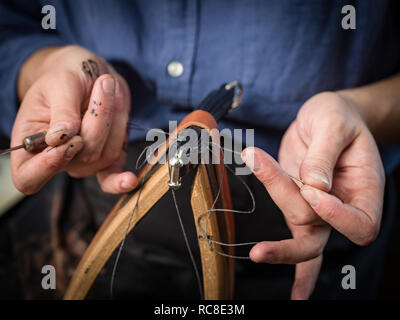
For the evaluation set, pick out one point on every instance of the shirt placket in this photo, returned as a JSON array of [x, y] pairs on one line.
[[176, 62]]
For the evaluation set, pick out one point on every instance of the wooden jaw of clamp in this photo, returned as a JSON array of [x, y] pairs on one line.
[[217, 270]]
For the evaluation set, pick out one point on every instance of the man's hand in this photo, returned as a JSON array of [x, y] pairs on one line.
[[331, 149], [85, 104]]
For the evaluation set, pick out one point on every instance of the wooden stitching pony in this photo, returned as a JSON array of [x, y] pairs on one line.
[[155, 180]]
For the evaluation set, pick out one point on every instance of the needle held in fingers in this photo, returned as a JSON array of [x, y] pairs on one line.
[[33, 143]]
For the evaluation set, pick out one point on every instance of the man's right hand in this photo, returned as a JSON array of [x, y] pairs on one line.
[[85, 105]]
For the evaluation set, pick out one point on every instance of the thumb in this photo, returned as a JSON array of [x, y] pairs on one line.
[[321, 157], [64, 96], [359, 226]]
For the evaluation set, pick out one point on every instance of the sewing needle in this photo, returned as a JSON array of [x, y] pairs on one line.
[[33, 143]]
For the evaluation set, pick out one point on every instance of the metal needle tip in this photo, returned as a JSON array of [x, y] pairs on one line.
[[11, 149], [297, 179]]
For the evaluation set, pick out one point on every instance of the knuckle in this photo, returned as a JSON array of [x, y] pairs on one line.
[[24, 186], [341, 125], [75, 174], [369, 236], [319, 250], [111, 157], [53, 163], [329, 213], [299, 220], [102, 186], [28, 190], [95, 157], [106, 110], [78, 174], [318, 162], [91, 158], [65, 76], [302, 218], [337, 119], [273, 256], [268, 178], [85, 160]]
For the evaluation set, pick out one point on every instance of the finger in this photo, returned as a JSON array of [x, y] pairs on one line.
[[283, 191], [326, 144], [291, 251], [357, 225], [116, 139], [118, 133], [64, 96], [114, 181], [30, 176], [305, 279], [97, 120]]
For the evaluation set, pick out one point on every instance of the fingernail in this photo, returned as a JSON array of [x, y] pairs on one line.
[[108, 86], [72, 150], [126, 185], [319, 176], [60, 128], [310, 195], [251, 159]]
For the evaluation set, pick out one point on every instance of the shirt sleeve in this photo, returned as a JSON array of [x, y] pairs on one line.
[[21, 34]]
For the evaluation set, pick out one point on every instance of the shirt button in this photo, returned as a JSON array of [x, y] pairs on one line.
[[175, 69]]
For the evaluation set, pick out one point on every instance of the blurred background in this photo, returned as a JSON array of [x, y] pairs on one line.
[[9, 195]]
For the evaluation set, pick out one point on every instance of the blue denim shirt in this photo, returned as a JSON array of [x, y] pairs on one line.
[[283, 52]]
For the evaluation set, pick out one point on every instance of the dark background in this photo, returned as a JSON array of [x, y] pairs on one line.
[[391, 277]]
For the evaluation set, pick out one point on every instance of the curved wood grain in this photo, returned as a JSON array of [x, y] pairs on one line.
[[218, 271]]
